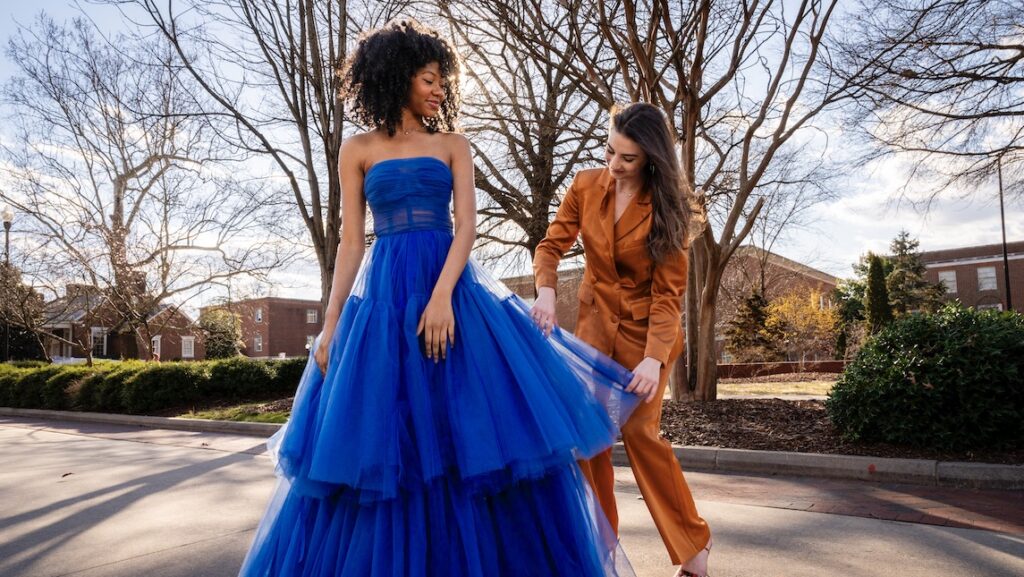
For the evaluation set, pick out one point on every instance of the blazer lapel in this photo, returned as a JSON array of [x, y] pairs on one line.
[[607, 210]]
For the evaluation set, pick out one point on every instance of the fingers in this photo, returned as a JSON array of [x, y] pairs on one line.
[[437, 338], [439, 343], [449, 333], [643, 387], [432, 343], [646, 390], [634, 383], [321, 362], [544, 320], [652, 394]]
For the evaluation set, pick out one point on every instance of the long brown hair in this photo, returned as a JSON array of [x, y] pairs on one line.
[[647, 126]]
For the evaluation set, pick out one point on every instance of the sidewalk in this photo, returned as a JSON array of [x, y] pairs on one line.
[[101, 500]]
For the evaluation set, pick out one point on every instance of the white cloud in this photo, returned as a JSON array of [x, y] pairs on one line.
[[867, 215]]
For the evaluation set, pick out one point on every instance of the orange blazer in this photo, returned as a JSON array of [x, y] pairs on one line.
[[629, 305]]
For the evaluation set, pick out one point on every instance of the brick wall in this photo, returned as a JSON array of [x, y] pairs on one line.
[[965, 264], [288, 326], [281, 328]]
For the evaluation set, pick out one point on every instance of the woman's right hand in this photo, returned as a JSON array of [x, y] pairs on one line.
[[543, 311], [321, 353]]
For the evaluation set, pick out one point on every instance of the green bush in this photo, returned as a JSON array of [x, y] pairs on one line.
[[28, 389], [289, 371], [9, 376], [951, 380], [102, 390], [162, 386], [55, 393], [84, 393], [238, 378]]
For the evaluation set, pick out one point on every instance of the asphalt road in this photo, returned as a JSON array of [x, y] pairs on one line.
[[111, 501]]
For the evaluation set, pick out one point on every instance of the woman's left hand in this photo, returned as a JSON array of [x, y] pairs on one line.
[[646, 377], [437, 325]]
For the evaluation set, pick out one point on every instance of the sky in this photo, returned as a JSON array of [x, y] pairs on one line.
[[863, 217]]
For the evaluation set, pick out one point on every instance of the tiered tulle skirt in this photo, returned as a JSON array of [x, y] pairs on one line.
[[393, 465]]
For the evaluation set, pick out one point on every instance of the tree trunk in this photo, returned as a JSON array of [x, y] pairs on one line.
[[707, 353], [685, 371]]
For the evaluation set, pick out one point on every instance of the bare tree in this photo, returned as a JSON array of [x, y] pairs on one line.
[[940, 84], [739, 81], [530, 125], [121, 184], [271, 69]]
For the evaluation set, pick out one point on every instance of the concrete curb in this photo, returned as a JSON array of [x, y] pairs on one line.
[[196, 425], [914, 471], [880, 469]]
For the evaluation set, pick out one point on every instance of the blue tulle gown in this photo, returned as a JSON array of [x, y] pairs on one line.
[[393, 465]]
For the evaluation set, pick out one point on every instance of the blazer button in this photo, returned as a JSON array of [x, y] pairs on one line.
[[615, 319]]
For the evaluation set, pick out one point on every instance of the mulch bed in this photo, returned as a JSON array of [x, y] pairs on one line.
[[779, 425]]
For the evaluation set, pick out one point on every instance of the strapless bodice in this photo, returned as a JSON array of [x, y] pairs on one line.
[[408, 194]]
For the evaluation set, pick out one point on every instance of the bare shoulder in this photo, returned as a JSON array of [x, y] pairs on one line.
[[354, 149], [455, 139], [457, 144]]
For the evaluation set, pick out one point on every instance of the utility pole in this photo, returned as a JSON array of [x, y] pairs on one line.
[[1002, 221], [8, 216]]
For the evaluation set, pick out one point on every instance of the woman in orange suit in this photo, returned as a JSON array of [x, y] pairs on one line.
[[633, 220]]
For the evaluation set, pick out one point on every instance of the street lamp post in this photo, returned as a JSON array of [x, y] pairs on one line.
[[8, 216], [1002, 221]]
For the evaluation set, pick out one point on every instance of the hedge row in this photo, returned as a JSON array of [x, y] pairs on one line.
[[140, 387]]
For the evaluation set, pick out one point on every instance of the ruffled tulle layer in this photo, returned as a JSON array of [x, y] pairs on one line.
[[542, 528], [392, 464]]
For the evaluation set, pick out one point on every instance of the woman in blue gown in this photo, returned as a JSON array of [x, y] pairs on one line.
[[435, 430]]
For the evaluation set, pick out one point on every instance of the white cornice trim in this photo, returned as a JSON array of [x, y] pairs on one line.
[[973, 260]]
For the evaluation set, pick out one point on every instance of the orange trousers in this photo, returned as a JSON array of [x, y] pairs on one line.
[[660, 479]]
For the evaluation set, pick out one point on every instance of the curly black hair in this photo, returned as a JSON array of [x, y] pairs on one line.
[[378, 75]]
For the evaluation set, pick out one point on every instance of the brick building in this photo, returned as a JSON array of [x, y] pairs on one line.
[[84, 317], [276, 327], [975, 276]]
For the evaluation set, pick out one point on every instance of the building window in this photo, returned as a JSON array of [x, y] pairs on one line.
[[258, 343], [259, 315], [993, 306], [98, 341], [309, 341], [987, 278], [310, 316], [948, 279], [188, 347], [156, 345]]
